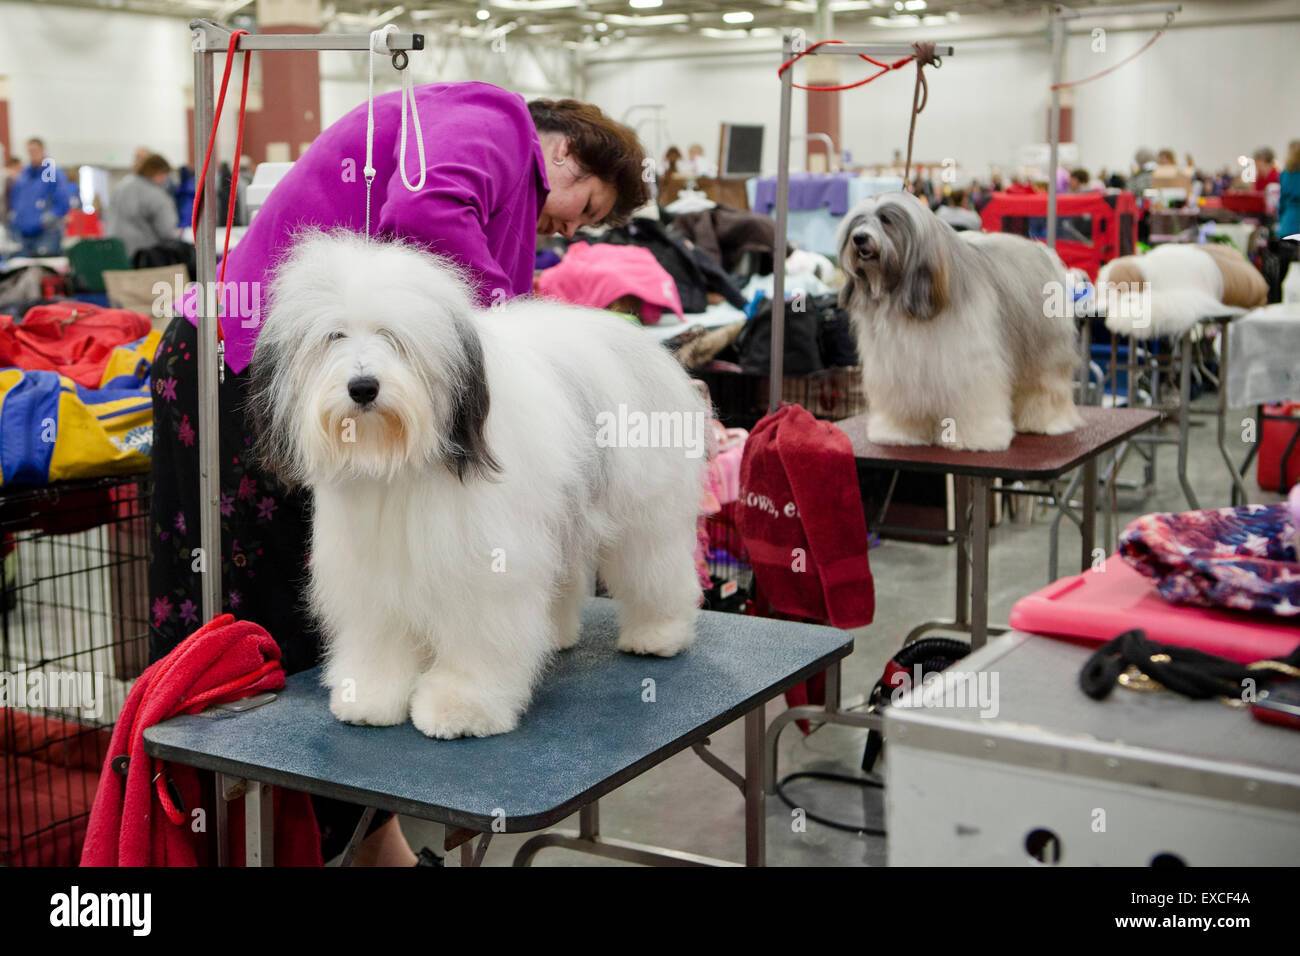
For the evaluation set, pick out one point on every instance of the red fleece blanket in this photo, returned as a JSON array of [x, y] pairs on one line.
[[72, 338], [800, 514], [145, 818]]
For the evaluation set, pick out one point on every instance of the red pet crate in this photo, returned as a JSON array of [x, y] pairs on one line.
[[1092, 228]]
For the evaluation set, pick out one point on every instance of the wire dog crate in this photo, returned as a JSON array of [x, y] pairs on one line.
[[75, 634]]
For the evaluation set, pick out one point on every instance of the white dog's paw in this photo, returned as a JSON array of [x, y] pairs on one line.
[[562, 640], [662, 638], [370, 709], [448, 707], [884, 431], [985, 437]]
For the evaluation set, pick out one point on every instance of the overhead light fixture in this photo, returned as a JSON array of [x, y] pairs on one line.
[[644, 4], [482, 14], [738, 16], [898, 4], [602, 27], [661, 20], [914, 5]]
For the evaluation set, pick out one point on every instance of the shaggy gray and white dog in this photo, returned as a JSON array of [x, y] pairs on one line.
[[472, 471], [957, 334]]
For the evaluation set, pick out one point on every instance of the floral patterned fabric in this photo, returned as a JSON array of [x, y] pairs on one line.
[[265, 532], [264, 528], [1237, 558]]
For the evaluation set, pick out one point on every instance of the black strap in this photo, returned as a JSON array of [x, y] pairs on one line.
[[1187, 671]]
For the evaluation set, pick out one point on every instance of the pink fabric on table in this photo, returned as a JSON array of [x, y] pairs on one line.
[[598, 275]]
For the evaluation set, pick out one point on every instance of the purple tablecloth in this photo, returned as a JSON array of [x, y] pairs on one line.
[[807, 191]]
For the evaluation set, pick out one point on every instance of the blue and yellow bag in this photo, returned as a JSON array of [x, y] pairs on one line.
[[52, 429]]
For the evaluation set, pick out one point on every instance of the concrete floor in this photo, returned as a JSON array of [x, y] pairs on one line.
[[686, 805]]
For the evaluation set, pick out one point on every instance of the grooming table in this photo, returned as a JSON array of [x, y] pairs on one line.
[[1179, 364], [589, 730], [1037, 458], [1049, 775]]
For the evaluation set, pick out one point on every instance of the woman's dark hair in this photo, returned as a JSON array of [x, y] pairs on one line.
[[606, 149], [151, 166]]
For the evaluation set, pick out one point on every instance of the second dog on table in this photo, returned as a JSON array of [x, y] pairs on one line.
[[961, 337], [471, 471]]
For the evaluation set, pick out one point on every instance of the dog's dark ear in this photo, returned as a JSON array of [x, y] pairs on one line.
[[468, 453], [847, 290], [925, 285], [271, 440]]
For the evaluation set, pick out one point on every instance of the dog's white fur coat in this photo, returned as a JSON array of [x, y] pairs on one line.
[[1183, 283], [953, 336], [455, 538]]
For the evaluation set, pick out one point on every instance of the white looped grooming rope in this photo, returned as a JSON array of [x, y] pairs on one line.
[[379, 45]]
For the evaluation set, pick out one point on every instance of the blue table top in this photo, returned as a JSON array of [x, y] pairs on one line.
[[588, 730]]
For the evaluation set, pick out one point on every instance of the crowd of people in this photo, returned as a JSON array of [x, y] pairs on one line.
[[148, 206]]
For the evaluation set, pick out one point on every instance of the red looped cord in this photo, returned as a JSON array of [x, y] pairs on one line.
[[884, 68], [239, 145]]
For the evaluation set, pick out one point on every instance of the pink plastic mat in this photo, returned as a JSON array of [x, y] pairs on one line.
[[1101, 604]]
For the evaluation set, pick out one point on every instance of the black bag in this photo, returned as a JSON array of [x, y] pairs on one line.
[[169, 253], [802, 349]]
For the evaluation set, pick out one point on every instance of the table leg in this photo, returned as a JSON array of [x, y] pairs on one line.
[[1088, 527], [259, 824], [1238, 494], [961, 521], [1185, 415], [979, 554], [755, 796], [224, 784]]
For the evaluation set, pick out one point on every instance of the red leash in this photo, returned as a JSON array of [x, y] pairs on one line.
[[884, 68], [923, 55], [239, 146]]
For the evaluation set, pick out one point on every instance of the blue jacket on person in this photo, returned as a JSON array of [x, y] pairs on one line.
[[1288, 207], [37, 192]]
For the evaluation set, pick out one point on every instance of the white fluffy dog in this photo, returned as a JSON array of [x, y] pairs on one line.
[[955, 334], [471, 470]]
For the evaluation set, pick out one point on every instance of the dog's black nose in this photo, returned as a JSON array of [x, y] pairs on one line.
[[865, 242], [363, 389]]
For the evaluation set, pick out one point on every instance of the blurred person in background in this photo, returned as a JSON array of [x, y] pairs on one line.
[[1288, 209], [1266, 173], [39, 200], [141, 212]]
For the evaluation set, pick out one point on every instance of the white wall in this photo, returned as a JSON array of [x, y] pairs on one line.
[[95, 85], [1210, 88]]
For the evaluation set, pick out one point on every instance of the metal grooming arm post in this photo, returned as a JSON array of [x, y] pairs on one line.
[[888, 50], [1059, 15], [211, 39]]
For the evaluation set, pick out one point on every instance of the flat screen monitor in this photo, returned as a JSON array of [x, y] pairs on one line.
[[741, 153]]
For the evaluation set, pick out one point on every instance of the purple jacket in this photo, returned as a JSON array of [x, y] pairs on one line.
[[483, 193]]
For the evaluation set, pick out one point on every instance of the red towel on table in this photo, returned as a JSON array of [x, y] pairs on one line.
[[72, 338], [800, 515], [135, 820]]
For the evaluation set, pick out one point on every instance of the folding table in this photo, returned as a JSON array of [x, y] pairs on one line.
[[1038, 458], [1180, 364], [598, 719]]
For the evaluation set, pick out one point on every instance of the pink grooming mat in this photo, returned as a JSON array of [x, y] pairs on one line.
[[1102, 604]]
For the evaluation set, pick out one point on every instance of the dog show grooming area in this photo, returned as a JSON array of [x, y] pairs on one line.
[[583, 434]]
